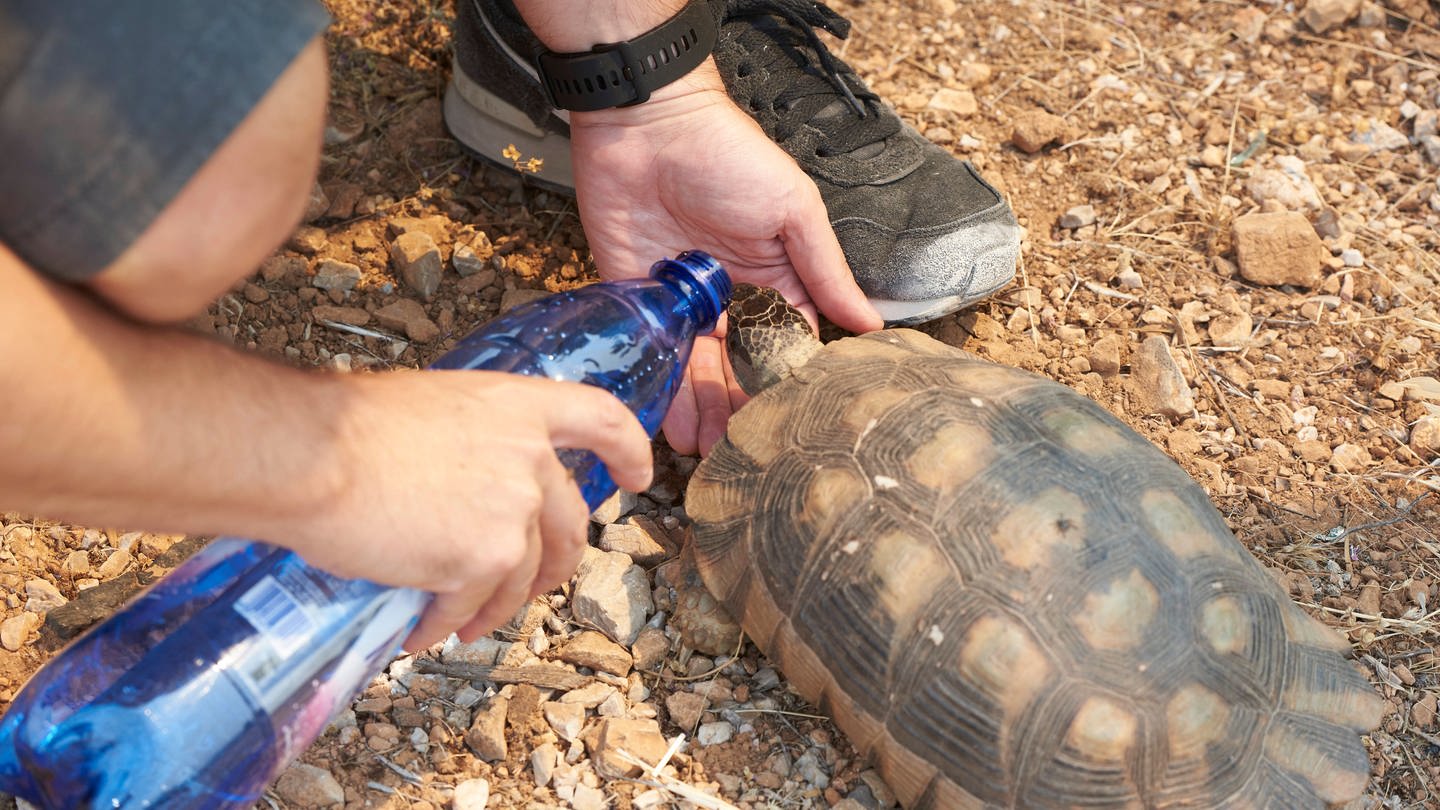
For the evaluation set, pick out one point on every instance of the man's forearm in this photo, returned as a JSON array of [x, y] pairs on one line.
[[110, 423]]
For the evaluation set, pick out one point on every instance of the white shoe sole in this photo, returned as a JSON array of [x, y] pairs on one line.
[[491, 127]]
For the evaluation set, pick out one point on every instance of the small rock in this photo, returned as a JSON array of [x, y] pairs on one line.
[[317, 206], [331, 274], [714, 733], [588, 798], [1377, 136], [1105, 355], [1078, 217], [466, 261], [1422, 714], [472, 794], [42, 596], [408, 315], [1278, 248], [115, 564], [1351, 257], [416, 258], [1035, 129], [14, 630], [484, 651], [1422, 388], [957, 102], [1158, 383], [305, 785], [615, 507], [543, 761], [589, 696], [354, 316], [638, 537], [612, 594], [685, 709], [650, 648], [77, 563], [1350, 458], [1230, 329], [1322, 15], [594, 650], [1288, 184], [486, 735], [641, 738], [514, 298], [566, 718], [308, 240], [1425, 437]]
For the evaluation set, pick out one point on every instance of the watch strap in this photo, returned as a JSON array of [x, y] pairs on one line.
[[620, 74]]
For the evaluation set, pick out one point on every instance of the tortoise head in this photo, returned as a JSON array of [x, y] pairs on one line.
[[768, 338]]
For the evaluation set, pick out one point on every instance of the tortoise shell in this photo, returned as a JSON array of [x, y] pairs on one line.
[[1010, 599]]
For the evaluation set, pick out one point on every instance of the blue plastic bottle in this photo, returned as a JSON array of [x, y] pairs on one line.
[[205, 686]]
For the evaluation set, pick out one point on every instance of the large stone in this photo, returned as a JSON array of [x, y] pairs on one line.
[[612, 595], [1278, 248]]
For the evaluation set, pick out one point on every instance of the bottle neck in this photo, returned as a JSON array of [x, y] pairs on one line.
[[700, 281]]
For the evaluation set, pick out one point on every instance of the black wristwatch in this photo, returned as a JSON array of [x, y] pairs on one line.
[[620, 74]]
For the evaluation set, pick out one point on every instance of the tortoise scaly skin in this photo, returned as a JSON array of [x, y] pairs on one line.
[[1007, 597]]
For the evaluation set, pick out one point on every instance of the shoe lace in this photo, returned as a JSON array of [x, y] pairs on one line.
[[808, 84]]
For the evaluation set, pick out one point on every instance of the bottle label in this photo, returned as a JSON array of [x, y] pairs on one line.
[[272, 610]]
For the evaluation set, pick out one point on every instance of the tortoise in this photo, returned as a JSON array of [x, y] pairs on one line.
[[1001, 593]]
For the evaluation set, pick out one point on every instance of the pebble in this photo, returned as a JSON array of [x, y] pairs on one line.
[[685, 709], [1157, 381], [331, 274], [614, 507], [416, 257], [1287, 184], [566, 718], [639, 537], [1322, 15], [957, 102], [486, 735], [408, 316], [14, 630], [1078, 217], [1350, 458], [591, 649], [1425, 437], [42, 596], [472, 794], [115, 564], [641, 738], [1278, 248], [1033, 130], [714, 733], [305, 785]]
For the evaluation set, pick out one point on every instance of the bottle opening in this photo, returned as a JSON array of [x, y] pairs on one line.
[[703, 279]]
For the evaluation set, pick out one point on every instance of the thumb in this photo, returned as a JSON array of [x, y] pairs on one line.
[[820, 264]]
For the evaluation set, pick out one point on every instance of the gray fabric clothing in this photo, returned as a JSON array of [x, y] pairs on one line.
[[108, 109]]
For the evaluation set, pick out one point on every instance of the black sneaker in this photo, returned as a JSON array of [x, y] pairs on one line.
[[924, 234]]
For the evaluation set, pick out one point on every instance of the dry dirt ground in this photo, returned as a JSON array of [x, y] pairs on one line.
[[1170, 121]]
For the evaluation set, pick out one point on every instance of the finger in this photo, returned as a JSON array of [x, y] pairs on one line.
[[682, 421], [820, 263], [712, 395], [511, 593], [592, 419], [446, 612], [564, 521]]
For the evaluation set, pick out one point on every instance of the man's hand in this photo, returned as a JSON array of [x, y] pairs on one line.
[[454, 487], [691, 170]]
